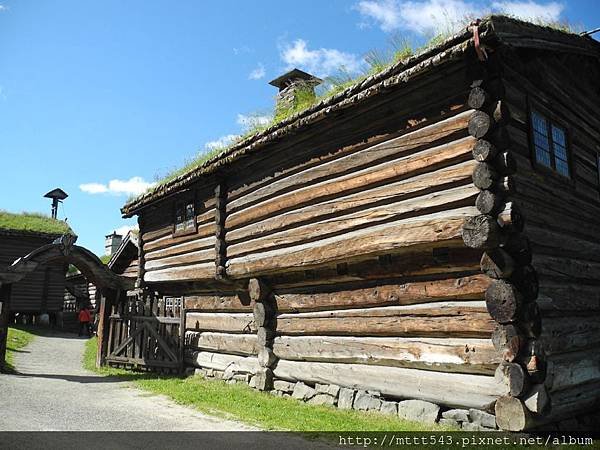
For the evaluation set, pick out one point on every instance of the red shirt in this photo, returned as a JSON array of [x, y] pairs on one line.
[[84, 316]]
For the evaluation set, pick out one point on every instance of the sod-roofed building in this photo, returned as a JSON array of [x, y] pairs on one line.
[[41, 291], [429, 233]]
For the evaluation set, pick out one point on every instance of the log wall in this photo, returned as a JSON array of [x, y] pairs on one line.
[[40, 291]]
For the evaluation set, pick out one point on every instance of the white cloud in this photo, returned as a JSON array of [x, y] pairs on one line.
[[423, 17], [133, 186], [248, 122], [320, 62], [123, 230], [531, 10], [436, 16], [257, 73], [222, 142], [3, 8]]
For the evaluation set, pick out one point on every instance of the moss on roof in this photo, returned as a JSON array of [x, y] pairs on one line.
[[33, 223], [338, 89]]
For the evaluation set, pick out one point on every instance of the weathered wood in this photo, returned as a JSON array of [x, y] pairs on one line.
[[349, 160], [263, 315], [264, 379], [481, 231], [511, 414], [225, 322], [519, 248], [484, 151], [220, 244], [393, 191], [572, 369], [258, 290], [485, 176], [264, 337], [503, 301], [511, 218], [402, 167], [451, 319], [223, 362], [238, 344], [489, 203], [456, 390], [182, 273], [526, 280], [438, 229], [515, 377], [266, 357], [497, 263], [463, 288], [195, 257], [179, 249], [508, 340], [537, 399], [438, 354], [239, 302], [505, 163], [571, 333], [449, 199], [480, 124], [478, 98]]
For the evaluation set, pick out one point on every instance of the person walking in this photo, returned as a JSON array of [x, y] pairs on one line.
[[85, 318]]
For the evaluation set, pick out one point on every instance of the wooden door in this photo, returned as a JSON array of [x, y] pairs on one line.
[[145, 333]]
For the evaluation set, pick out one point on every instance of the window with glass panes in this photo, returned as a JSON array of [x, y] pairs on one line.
[[550, 144], [185, 218]]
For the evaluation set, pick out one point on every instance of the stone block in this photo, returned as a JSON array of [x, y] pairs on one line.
[[449, 423], [303, 392], [346, 398], [322, 399], [366, 402], [459, 415], [389, 407], [330, 389], [482, 418], [418, 411], [284, 386]]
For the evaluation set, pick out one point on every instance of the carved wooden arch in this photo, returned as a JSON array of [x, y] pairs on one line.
[[64, 250]]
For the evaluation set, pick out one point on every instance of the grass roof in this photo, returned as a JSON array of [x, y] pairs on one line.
[[33, 223], [379, 65]]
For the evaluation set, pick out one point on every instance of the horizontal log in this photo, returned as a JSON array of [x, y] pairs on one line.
[[187, 258], [449, 389], [571, 369], [472, 287], [484, 151], [225, 322], [557, 298], [203, 231], [438, 354], [449, 199], [489, 203], [433, 230], [570, 268], [497, 263], [570, 333], [219, 303], [222, 362], [467, 319], [183, 273], [480, 124], [237, 344], [402, 167], [509, 341], [485, 176], [178, 249], [405, 143], [398, 190]]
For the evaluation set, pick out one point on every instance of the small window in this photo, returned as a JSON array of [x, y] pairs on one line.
[[550, 144], [185, 216]]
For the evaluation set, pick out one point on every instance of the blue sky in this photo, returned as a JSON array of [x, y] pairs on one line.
[[100, 98]]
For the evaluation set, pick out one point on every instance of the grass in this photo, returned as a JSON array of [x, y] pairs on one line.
[[241, 402], [32, 222], [17, 339]]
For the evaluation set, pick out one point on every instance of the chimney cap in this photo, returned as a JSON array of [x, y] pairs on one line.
[[293, 75], [57, 193]]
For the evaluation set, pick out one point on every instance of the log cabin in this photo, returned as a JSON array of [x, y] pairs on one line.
[[428, 233], [40, 292]]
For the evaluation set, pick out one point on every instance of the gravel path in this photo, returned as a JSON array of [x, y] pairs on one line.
[[52, 392]]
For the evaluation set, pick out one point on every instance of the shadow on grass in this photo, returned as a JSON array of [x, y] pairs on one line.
[[85, 379]]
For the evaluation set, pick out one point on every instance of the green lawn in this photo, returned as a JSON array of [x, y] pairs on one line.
[[17, 339], [241, 402]]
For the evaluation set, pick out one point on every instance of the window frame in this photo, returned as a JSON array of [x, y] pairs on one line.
[[192, 228], [551, 120]]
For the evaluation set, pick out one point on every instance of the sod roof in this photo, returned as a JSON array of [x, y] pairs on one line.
[[32, 223]]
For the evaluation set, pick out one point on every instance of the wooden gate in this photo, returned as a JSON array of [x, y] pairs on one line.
[[146, 333]]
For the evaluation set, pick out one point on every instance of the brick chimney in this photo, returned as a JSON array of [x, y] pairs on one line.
[[112, 242], [289, 84]]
